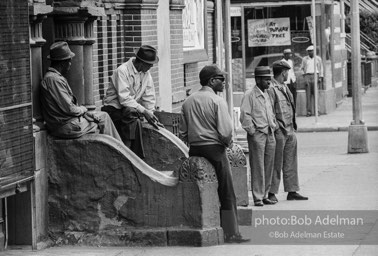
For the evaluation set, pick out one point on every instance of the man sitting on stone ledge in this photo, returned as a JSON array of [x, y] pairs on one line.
[[63, 116], [130, 97], [207, 127]]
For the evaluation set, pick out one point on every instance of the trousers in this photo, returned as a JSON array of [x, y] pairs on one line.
[[285, 160], [78, 126], [128, 123], [216, 154], [261, 156]]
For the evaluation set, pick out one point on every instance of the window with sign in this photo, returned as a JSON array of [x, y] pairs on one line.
[[194, 31]]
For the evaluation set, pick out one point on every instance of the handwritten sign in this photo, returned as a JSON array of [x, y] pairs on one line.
[[269, 32]]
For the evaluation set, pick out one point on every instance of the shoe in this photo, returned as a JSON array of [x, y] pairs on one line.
[[272, 197], [268, 201], [259, 203], [308, 114], [295, 196], [237, 238]]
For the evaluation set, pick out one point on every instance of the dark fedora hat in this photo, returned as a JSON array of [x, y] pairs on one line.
[[263, 71], [60, 51], [147, 54]]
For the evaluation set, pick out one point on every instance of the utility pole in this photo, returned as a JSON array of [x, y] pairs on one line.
[[313, 11], [357, 134], [228, 57]]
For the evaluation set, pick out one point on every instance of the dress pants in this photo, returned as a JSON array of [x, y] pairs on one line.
[[78, 126], [128, 122], [310, 93], [261, 156], [285, 159], [216, 154]]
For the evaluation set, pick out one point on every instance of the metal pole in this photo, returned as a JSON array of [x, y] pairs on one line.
[[356, 63], [357, 136], [228, 61], [315, 74]]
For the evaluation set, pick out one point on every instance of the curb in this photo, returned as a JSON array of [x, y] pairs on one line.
[[332, 129]]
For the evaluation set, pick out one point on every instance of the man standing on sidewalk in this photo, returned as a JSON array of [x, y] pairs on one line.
[[291, 81], [286, 158], [207, 127], [257, 118], [309, 70]]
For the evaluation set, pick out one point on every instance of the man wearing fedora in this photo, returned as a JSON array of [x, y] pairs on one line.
[[257, 118], [291, 81], [131, 96], [285, 157], [207, 127], [63, 116]]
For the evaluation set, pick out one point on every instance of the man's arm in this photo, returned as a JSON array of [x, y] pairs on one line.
[[183, 128], [246, 119], [224, 123], [59, 91], [148, 98], [304, 65], [122, 84]]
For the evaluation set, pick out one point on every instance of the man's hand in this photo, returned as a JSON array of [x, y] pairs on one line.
[[151, 118], [91, 117]]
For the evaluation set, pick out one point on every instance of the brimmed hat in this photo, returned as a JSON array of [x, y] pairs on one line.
[[310, 48], [263, 71], [281, 64], [287, 51], [210, 71], [147, 54], [60, 51]]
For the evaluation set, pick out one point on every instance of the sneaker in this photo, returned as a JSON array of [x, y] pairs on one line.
[[237, 238], [295, 196]]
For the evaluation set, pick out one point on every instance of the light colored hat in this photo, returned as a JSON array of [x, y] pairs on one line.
[[60, 51], [287, 51], [262, 71], [310, 48]]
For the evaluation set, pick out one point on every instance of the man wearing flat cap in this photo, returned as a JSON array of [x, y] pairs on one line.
[[63, 116], [291, 81], [285, 158], [257, 118], [130, 96], [309, 69], [207, 127]]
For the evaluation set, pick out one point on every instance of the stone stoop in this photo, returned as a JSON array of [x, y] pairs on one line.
[[172, 236], [245, 215]]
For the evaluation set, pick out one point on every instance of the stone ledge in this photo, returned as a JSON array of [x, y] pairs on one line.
[[245, 215], [143, 237]]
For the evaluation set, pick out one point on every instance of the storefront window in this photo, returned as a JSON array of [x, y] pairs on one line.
[[269, 31]]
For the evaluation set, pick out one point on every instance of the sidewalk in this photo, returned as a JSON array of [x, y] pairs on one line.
[[341, 118], [331, 178]]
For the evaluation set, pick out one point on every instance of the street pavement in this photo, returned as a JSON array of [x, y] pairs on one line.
[[332, 179]]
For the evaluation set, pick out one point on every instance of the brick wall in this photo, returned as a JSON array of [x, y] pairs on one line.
[[118, 34]]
